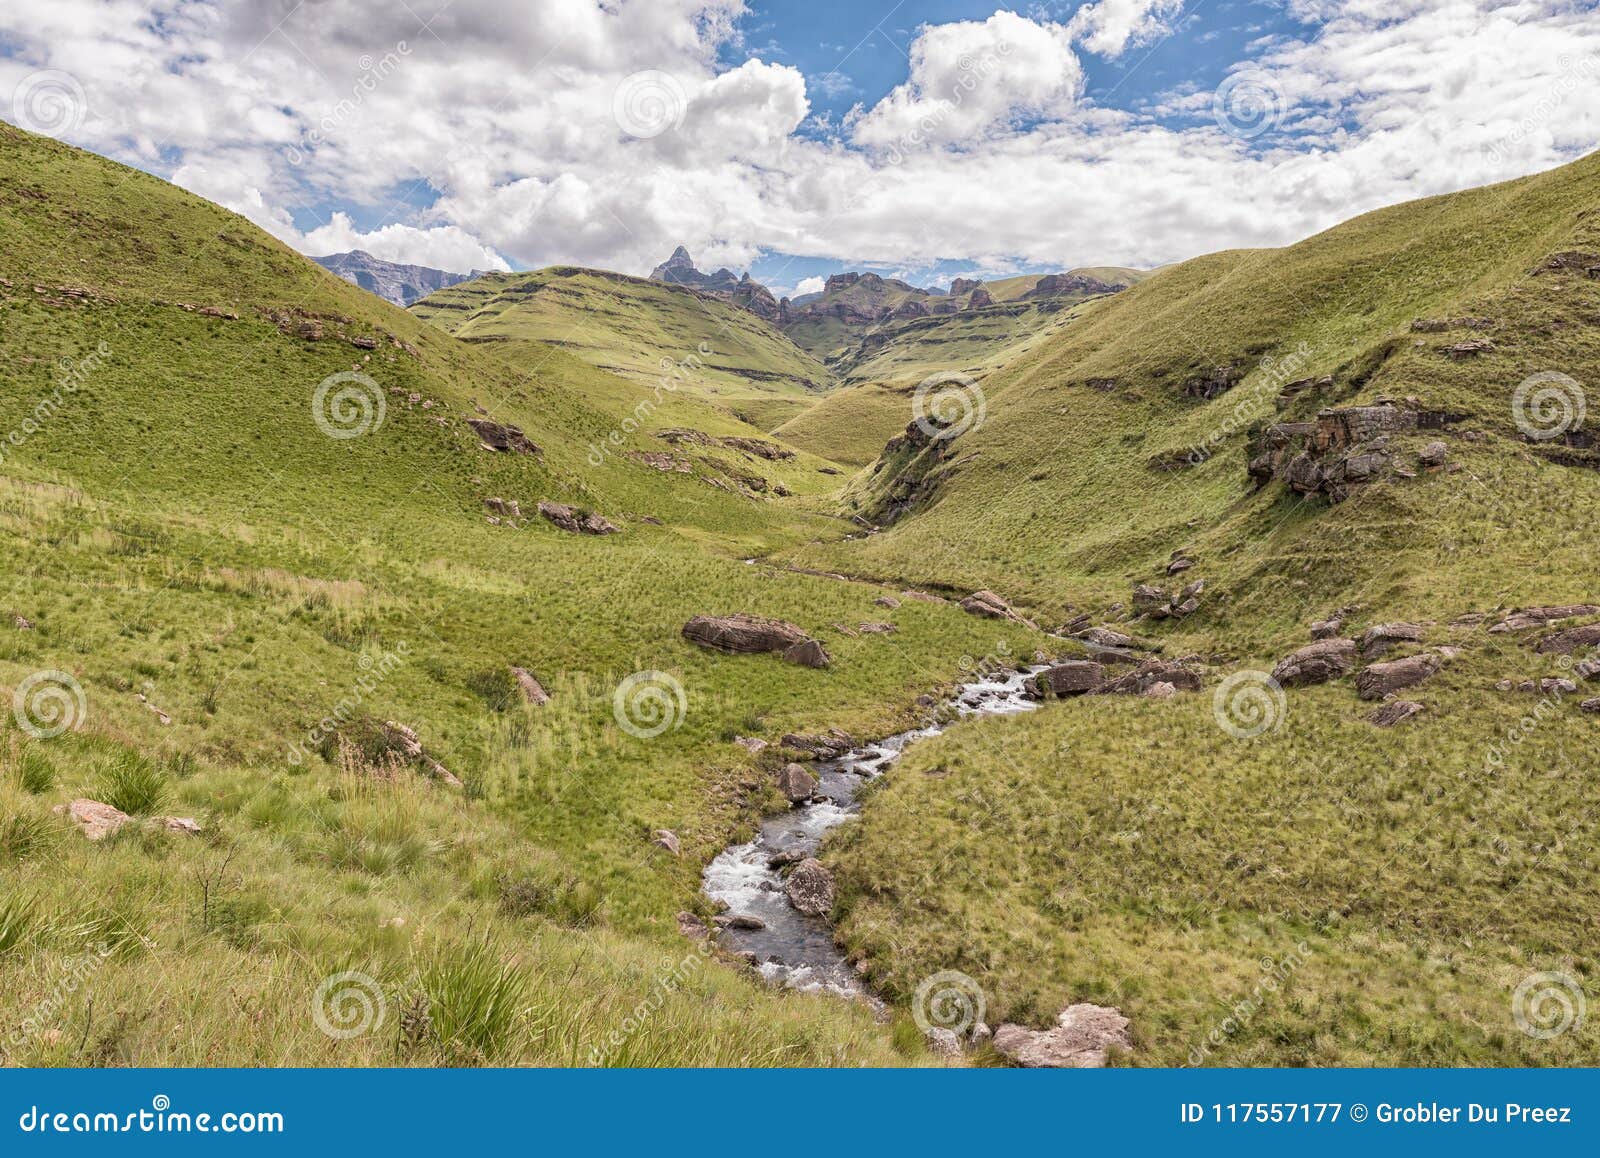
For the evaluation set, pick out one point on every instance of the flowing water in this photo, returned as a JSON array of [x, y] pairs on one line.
[[794, 949]]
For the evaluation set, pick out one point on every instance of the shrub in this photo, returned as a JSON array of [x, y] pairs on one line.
[[496, 686], [565, 900]]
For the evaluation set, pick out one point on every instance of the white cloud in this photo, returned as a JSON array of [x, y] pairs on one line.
[[442, 246], [808, 285], [1108, 27], [968, 78], [508, 116]]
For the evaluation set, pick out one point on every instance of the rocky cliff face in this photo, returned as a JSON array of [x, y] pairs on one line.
[[391, 281], [679, 269]]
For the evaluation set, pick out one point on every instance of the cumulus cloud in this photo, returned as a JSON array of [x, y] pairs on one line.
[[503, 126], [970, 77], [1109, 27]]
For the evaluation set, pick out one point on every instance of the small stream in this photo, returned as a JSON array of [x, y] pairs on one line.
[[794, 949]]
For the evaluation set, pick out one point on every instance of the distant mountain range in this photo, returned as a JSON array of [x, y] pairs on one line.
[[391, 281], [851, 304]]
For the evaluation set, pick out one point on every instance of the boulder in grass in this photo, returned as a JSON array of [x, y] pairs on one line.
[[95, 820], [500, 436], [692, 926], [807, 653], [1082, 1038], [829, 745], [742, 634], [570, 518], [1395, 712], [1071, 678], [1569, 641], [988, 605], [1143, 679], [532, 690], [1152, 601], [1316, 663], [1539, 616], [1381, 679], [1104, 637], [810, 888], [1380, 637], [1592, 705], [667, 839], [1327, 628]]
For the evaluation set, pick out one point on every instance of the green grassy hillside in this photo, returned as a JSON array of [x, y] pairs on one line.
[[1395, 885], [221, 573], [637, 329]]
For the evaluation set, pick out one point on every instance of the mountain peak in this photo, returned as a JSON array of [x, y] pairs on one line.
[[679, 263]]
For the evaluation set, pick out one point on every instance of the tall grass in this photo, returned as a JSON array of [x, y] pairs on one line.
[[475, 996]]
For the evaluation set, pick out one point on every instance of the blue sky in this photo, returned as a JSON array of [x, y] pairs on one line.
[[853, 52]]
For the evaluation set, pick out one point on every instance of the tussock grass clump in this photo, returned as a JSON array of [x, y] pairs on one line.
[[130, 782], [475, 995], [24, 836], [34, 772], [19, 919]]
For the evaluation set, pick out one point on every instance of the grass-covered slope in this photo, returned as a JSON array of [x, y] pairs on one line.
[[635, 328], [1326, 891], [220, 583]]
